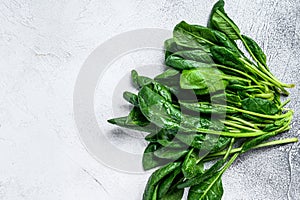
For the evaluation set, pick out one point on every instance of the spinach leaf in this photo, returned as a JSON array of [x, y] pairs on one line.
[[174, 195], [136, 117], [219, 20], [179, 63], [256, 50], [190, 167], [226, 57], [202, 177], [170, 153], [196, 55], [149, 160], [171, 47], [139, 81], [162, 90], [166, 184], [163, 137], [207, 108], [211, 189], [157, 176], [256, 141], [260, 105], [199, 37], [122, 122], [158, 110], [131, 98], [205, 78]]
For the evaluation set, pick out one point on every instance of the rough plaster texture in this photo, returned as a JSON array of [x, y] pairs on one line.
[[42, 47]]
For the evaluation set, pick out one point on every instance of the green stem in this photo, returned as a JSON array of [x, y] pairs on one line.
[[243, 121], [228, 77], [238, 126], [232, 159], [267, 144], [229, 149], [261, 115], [264, 68], [265, 95], [230, 134], [240, 72], [260, 73], [284, 103]]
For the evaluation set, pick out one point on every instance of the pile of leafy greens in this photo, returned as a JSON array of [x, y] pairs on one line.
[[212, 104]]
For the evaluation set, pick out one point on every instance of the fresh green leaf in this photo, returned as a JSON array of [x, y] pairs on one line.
[[149, 159], [196, 55], [202, 177], [260, 105], [226, 57], [177, 194], [256, 50], [256, 141], [205, 78], [190, 167], [219, 20], [211, 189], [157, 176], [179, 63], [131, 98], [166, 184], [207, 108], [157, 110], [199, 37], [122, 122], [139, 81], [136, 117]]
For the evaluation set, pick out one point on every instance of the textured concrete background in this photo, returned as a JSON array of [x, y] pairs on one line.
[[42, 47]]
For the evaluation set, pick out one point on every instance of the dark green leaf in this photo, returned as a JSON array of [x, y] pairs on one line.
[[190, 167], [157, 176], [226, 57], [202, 177], [169, 73], [131, 98], [196, 55], [211, 189], [139, 81], [122, 122], [256, 50], [164, 136], [170, 152], [136, 117], [149, 159], [157, 110], [200, 37], [207, 108], [166, 184], [256, 141], [162, 90], [171, 47], [179, 63], [202, 122], [260, 105], [174, 195], [219, 20], [205, 78]]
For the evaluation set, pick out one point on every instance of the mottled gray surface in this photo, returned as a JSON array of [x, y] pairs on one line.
[[42, 47]]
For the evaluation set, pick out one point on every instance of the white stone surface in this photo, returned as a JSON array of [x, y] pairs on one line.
[[44, 43]]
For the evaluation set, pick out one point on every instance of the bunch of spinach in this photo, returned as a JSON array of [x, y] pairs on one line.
[[212, 104]]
